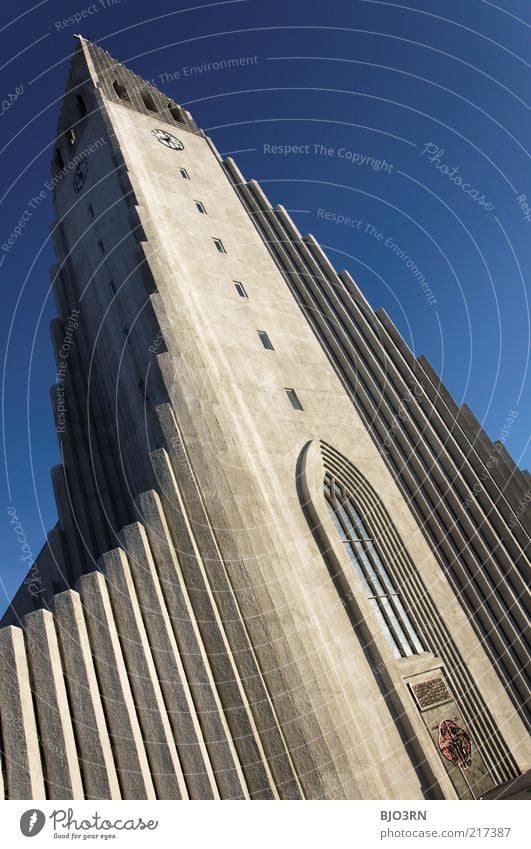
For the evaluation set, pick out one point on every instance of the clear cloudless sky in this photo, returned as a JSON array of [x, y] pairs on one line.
[[374, 79]]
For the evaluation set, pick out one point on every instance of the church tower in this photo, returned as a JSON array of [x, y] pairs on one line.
[[238, 600]]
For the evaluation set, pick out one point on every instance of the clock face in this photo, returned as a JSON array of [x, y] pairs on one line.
[[167, 139], [80, 175]]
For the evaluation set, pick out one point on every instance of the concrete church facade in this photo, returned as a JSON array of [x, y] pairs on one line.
[[240, 599]]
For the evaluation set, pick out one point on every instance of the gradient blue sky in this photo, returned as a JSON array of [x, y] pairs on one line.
[[374, 78]]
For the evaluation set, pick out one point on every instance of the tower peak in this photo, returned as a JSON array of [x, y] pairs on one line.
[[96, 76]]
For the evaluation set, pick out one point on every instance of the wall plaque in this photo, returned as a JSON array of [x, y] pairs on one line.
[[431, 692]]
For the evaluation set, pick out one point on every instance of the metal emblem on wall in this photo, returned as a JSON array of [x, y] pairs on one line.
[[456, 746], [462, 757], [455, 743]]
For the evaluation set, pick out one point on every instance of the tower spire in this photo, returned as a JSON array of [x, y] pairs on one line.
[[93, 67]]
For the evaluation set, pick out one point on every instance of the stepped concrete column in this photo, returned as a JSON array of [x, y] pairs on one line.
[[124, 729], [156, 729], [95, 751], [21, 745], [63, 776]]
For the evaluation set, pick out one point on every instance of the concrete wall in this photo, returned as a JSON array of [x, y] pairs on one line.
[[110, 695], [465, 491]]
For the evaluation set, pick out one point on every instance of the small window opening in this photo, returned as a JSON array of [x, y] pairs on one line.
[[121, 91], [148, 101], [58, 159], [265, 340], [175, 113], [81, 106], [294, 400]]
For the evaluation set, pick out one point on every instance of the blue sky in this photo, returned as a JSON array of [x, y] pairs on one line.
[[435, 93]]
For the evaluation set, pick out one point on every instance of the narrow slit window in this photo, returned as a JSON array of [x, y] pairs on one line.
[[90, 210], [71, 136], [112, 288], [266, 341], [200, 206], [59, 161], [240, 288], [294, 399], [184, 173], [81, 107], [220, 247]]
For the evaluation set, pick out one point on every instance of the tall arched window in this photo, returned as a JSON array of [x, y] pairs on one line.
[[372, 574]]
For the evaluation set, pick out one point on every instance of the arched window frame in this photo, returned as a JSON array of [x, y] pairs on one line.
[[375, 612], [379, 585]]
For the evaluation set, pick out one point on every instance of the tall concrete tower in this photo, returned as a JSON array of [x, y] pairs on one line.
[[238, 600]]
